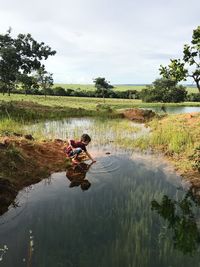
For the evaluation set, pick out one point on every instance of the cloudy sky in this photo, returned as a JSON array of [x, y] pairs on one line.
[[124, 41]]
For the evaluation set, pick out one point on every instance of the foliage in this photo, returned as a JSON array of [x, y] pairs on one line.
[[193, 97], [29, 83], [19, 57], [103, 107], [196, 158], [175, 71], [102, 87], [189, 66], [59, 91], [44, 79], [164, 90]]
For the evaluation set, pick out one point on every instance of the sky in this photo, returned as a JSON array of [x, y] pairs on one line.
[[124, 41]]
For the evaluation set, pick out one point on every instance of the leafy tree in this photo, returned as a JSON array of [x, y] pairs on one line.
[[28, 83], [189, 66], [164, 90], [20, 56], [102, 87], [60, 91], [44, 79]]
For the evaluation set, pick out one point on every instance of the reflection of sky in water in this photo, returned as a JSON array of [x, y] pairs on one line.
[[175, 110], [109, 225]]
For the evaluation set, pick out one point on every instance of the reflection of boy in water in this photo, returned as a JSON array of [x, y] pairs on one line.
[[76, 174]]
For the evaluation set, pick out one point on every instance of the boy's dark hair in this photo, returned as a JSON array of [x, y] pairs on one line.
[[85, 138]]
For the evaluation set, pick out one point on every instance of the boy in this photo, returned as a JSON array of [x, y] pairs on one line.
[[74, 148]]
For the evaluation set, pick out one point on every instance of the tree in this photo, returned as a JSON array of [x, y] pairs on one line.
[[44, 79], [60, 91], [102, 87], [189, 66], [28, 83], [164, 90], [20, 56]]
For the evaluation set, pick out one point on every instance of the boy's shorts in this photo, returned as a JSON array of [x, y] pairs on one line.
[[74, 152]]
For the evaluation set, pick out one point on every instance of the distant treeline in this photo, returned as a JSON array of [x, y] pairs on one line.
[[60, 91]]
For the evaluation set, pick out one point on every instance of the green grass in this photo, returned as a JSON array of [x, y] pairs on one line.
[[174, 136], [86, 103]]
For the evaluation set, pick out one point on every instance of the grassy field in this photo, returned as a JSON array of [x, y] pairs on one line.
[[86, 103], [90, 87]]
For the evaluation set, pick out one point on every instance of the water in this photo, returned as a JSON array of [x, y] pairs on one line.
[[111, 224], [175, 109]]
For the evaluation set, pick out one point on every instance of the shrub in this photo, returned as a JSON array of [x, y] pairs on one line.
[[163, 90]]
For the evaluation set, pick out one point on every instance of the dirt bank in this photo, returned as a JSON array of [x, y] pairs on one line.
[[24, 161]]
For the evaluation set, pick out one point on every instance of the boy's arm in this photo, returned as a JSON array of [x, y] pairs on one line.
[[70, 143], [89, 156]]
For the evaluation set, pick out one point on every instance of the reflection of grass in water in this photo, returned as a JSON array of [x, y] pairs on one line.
[[101, 132]]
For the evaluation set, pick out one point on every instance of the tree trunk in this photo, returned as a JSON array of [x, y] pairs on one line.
[[198, 85], [104, 96]]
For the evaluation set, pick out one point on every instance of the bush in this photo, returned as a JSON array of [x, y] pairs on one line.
[[59, 91], [163, 90], [193, 97]]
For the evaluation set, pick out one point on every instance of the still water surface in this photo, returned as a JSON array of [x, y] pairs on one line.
[[175, 109], [135, 213]]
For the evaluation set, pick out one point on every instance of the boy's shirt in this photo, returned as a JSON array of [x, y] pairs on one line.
[[75, 144]]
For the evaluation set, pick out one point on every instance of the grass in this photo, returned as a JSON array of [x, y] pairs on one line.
[[86, 103], [9, 126], [175, 135]]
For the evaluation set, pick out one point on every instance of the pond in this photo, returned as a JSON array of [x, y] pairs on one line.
[[175, 109], [135, 211]]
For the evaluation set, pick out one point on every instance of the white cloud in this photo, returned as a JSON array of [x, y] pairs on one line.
[[125, 41]]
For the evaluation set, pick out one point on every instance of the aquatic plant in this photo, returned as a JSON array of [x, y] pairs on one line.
[[3, 251]]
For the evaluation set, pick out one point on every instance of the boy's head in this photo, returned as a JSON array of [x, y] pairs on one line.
[[85, 139], [85, 185]]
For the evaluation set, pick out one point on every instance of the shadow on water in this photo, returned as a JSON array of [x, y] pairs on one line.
[[182, 219], [7, 195], [76, 175]]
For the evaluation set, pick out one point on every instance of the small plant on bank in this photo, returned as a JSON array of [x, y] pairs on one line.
[[196, 158], [103, 107]]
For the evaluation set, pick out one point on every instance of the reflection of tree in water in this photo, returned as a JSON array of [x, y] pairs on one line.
[[182, 219], [77, 173]]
